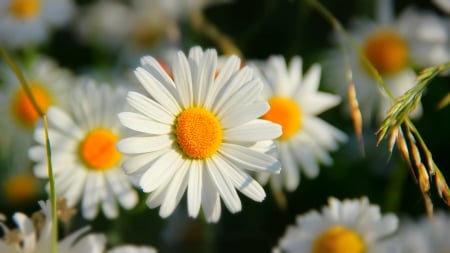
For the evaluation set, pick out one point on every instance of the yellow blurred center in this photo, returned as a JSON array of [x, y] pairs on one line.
[[98, 150], [285, 112], [387, 51], [338, 239], [21, 188], [146, 35], [25, 9], [22, 107], [198, 133]]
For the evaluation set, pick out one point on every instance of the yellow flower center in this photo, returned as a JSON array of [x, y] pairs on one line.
[[25, 9], [198, 133], [146, 35], [98, 150], [285, 112], [22, 107], [387, 51], [338, 239], [21, 188]]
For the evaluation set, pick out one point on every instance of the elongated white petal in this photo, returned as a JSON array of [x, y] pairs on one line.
[[139, 145], [149, 108], [175, 191], [195, 186], [253, 131], [246, 113], [249, 159], [140, 123]]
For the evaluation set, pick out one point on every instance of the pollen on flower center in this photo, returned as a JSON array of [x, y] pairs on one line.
[[25, 8], [98, 150], [22, 107], [286, 112], [338, 239], [387, 51], [198, 133]]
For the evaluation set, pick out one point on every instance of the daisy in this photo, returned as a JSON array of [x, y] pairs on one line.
[[348, 226], [426, 235], [28, 22], [34, 236], [295, 103], [392, 48], [199, 132], [20, 188], [49, 84], [84, 156]]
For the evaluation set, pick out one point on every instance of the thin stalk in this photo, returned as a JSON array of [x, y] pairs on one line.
[[26, 87]]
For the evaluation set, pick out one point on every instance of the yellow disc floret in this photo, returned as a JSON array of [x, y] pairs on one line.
[[387, 51], [338, 239], [198, 133], [285, 112], [98, 150], [22, 107], [25, 9]]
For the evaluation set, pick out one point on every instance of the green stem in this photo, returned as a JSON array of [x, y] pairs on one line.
[[25, 86]]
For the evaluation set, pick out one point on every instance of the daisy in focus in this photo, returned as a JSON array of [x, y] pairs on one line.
[[426, 235], [348, 226], [28, 22], [33, 235], [85, 160], [49, 84], [295, 104], [394, 46], [199, 133]]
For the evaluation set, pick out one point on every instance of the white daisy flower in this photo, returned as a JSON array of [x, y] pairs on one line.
[[132, 249], [29, 238], [426, 235], [28, 22], [199, 132], [85, 160], [295, 103], [391, 49], [49, 84], [348, 226]]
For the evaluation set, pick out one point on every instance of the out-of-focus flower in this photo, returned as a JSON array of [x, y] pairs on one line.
[[49, 84], [295, 103], [348, 226], [132, 249], [32, 236], [426, 235], [200, 131], [84, 156], [20, 187], [28, 22], [394, 47]]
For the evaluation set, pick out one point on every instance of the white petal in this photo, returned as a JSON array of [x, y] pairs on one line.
[[307, 161], [27, 230], [249, 159], [154, 68], [140, 123], [183, 80], [318, 102], [240, 115], [61, 120], [203, 75], [253, 131], [175, 191], [150, 108], [135, 163], [158, 91], [210, 199], [194, 196], [139, 145], [161, 171], [225, 188], [91, 197], [295, 70], [244, 183], [311, 80], [109, 206], [122, 188], [289, 168]]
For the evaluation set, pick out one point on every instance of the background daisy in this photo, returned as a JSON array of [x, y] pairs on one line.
[[84, 156], [197, 131], [295, 103], [49, 84], [28, 22], [350, 226], [393, 47]]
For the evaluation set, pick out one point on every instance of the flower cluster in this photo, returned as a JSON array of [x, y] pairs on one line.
[[118, 108]]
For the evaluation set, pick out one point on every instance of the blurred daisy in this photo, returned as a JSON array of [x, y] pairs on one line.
[[426, 235], [348, 226], [295, 103], [20, 188], [28, 22], [49, 84], [33, 235], [132, 249], [84, 156], [199, 132], [393, 47]]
